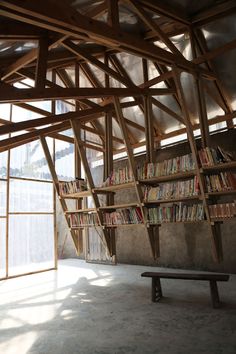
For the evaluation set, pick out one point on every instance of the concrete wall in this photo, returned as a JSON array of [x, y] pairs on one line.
[[182, 245]]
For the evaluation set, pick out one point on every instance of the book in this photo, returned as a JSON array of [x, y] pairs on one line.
[[82, 219], [167, 167], [213, 156], [175, 213], [123, 216], [222, 181], [222, 210], [119, 176], [172, 190], [70, 187]]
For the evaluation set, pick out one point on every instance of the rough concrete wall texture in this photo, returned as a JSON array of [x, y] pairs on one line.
[[186, 246]]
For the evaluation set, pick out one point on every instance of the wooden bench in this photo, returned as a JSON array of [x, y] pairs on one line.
[[212, 278]]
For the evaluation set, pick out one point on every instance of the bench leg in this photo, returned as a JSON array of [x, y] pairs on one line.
[[156, 289], [214, 294]]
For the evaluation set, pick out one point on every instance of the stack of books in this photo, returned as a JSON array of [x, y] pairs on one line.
[[167, 167], [172, 190], [175, 213], [124, 216], [119, 176], [210, 156], [70, 187], [223, 181], [82, 219], [224, 210]]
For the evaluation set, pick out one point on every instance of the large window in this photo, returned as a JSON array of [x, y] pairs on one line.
[[27, 219]]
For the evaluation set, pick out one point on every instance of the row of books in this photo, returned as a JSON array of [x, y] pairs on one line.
[[119, 176], [172, 190], [213, 156], [82, 219], [221, 182], [167, 167], [175, 213], [75, 186], [124, 216], [224, 210]]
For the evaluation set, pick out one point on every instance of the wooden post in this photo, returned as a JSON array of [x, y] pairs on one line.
[[41, 67], [53, 110], [132, 164], [56, 185], [201, 102], [215, 236], [78, 160], [80, 147]]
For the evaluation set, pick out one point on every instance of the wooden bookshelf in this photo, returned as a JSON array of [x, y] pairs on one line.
[[179, 222], [173, 177], [220, 193], [181, 199], [219, 167], [118, 225], [119, 206], [85, 210], [115, 187], [78, 195], [223, 219]]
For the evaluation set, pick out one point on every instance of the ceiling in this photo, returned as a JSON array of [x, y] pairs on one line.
[[85, 42]]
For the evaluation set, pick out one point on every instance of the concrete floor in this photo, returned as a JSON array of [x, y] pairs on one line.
[[98, 309]]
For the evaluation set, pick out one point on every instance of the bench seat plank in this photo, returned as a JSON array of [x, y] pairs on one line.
[[187, 276], [212, 278]]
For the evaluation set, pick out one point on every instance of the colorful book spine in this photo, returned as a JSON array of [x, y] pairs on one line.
[[119, 176], [172, 190], [222, 210], [213, 156], [223, 181], [82, 219], [175, 213], [123, 217], [167, 167], [71, 187]]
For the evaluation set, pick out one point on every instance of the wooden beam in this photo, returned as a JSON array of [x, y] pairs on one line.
[[41, 67], [27, 58], [113, 13], [56, 186], [174, 13], [147, 19], [91, 186], [132, 163], [214, 12], [84, 116], [79, 26], [82, 53], [27, 95], [209, 55], [202, 45], [201, 102], [149, 130], [215, 238]]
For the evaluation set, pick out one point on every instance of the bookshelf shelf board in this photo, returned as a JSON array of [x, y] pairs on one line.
[[118, 225], [86, 210], [175, 176], [119, 206], [181, 199], [115, 187], [228, 192], [78, 195], [178, 222], [82, 227], [221, 166], [223, 219]]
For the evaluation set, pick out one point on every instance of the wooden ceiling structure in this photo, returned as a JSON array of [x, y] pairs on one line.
[[88, 35], [105, 59]]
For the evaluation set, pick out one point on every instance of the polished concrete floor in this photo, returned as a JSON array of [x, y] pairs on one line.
[[97, 309]]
